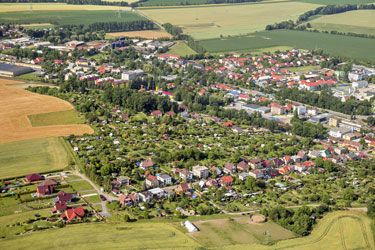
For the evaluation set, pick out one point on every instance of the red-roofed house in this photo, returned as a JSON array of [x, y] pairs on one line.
[[47, 187], [152, 181], [146, 164], [33, 178], [73, 213], [226, 181]]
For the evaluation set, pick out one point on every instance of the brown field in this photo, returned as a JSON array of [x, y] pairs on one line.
[[146, 34], [17, 104]]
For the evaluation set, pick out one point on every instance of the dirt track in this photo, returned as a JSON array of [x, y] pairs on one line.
[[16, 104]]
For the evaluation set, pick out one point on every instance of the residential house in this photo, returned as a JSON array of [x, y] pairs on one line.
[[146, 164], [242, 166], [200, 172], [128, 199], [256, 173], [33, 178], [151, 181], [182, 188], [226, 181], [71, 214], [229, 168], [47, 187], [243, 176], [164, 179]]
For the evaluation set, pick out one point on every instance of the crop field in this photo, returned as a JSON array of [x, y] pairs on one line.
[[359, 21], [32, 156], [56, 118], [17, 104], [181, 49], [13, 7], [354, 47], [65, 17], [204, 22], [222, 232], [107, 236], [146, 34], [172, 2]]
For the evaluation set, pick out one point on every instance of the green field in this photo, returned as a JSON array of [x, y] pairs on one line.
[[32, 156], [337, 2], [11, 7], [238, 231], [359, 21], [354, 47], [172, 2], [181, 49], [213, 21], [65, 17], [56, 118], [105, 236]]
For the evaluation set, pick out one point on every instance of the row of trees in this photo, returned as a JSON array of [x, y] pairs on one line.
[[326, 100]]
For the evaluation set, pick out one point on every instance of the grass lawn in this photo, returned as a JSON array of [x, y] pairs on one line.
[[333, 44], [57, 118], [82, 185], [146, 34], [221, 232], [32, 156], [337, 2], [181, 49], [65, 17], [11, 7], [359, 21], [106, 236], [336, 231], [303, 68], [212, 21], [30, 76]]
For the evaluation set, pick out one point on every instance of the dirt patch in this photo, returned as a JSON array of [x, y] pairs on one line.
[[146, 34], [15, 106]]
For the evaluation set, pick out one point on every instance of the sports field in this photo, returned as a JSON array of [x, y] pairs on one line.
[[105, 236], [204, 22], [32, 156], [17, 104], [221, 232], [56, 118], [65, 17], [359, 21], [346, 46], [181, 49], [146, 34], [12, 7]]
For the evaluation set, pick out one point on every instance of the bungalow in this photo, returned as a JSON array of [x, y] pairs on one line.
[[242, 166], [182, 188], [285, 170], [146, 164], [63, 197], [128, 199], [229, 168], [156, 113], [59, 207], [212, 183], [256, 173], [151, 181], [73, 213], [226, 181], [33, 178]]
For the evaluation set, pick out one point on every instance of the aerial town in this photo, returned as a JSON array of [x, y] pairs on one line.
[[183, 137]]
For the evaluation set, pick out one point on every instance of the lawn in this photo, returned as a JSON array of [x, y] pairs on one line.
[[66, 17], [336, 231], [210, 21], [57, 118], [337, 2], [11, 7], [105, 236], [32, 156], [220, 232], [333, 44], [181, 49], [303, 68], [359, 21], [33, 76]]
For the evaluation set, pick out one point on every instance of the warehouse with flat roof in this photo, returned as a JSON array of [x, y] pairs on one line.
[[11, 70]]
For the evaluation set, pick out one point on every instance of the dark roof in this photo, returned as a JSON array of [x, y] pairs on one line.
[[17, 70]]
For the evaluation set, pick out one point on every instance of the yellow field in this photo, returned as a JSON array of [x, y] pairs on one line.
[[205, 22], [359, 21], [17, 104], [146, 34], [128, 1], [11, 7]]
